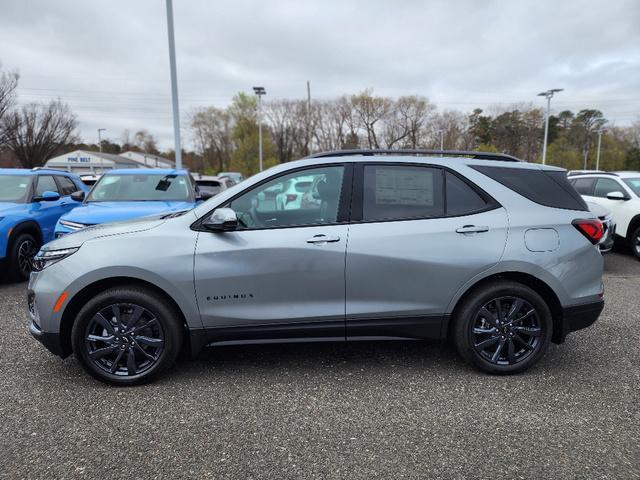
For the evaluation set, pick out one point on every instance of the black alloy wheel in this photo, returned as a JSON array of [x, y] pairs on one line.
[[635, 243], [22, 248], [124, 339], [502, 327], [506, 330], [127, 335]]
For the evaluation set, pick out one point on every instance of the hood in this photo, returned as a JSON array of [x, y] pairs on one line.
[[9, 207], [76, 239], [94, 213]]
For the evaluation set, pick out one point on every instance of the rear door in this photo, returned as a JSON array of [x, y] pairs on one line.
[[418, 234], [66, 188]]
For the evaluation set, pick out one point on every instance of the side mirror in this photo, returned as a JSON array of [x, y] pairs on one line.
[[617, 196], [222, 220], [77, 196], [47, 196], [204, 195]]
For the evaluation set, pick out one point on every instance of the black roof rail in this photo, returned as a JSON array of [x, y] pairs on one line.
[[417, 152], [575, 174]]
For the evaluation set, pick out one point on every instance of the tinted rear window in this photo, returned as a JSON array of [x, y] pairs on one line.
[[461, 198], [584, 186], [546, 187]]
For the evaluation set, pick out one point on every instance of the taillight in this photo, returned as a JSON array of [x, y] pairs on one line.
[[591, 228], [291, 197]]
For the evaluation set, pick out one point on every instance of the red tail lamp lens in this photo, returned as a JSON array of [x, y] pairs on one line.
[[591, 228]]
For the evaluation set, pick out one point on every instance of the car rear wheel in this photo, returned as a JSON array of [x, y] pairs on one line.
[[503, 327], [127, 335], [21, 252], [634, 243]]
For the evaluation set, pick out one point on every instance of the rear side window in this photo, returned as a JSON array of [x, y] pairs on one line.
[[605, 186], [461, 198], [46, 183], [67, 186], [584, 186], [545, 187], [397, 192]]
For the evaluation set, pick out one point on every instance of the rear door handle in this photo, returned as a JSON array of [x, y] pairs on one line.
[[472, 229], [321, 238]]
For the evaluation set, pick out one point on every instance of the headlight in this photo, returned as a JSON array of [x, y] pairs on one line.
[[72, 225], [46, 258]]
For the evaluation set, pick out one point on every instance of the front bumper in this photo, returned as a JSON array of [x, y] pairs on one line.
[[576, 318], [606, 244], [51, 341]]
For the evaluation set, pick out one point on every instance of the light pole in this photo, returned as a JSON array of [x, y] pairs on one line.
[[174, 85], [259, 92], [100, 138], [599, 132], [100, 147], [548, 95]]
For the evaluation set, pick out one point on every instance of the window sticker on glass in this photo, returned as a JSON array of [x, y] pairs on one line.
[[397, 187]]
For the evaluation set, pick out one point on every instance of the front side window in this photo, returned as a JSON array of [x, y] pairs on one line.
[[67, 185], [308, 197], [14, 188], [398, 192], [140, 187], [604, 186], [46, 183]]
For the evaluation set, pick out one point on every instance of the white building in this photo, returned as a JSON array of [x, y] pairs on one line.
[[84, 162], [147, 160]]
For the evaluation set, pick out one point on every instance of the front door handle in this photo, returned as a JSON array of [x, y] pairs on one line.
[[472, 229], [321, 238]]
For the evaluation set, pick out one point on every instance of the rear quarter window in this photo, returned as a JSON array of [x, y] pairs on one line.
[[545, 187]]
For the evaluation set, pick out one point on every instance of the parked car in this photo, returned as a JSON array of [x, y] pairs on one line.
[[213, 184], [498, 255], [620, 193], [89, 180], [31, 201], [608, 224], [290, 194], [236, 177], [131, 193]]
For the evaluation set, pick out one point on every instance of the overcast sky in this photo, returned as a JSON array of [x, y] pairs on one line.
[[109, 59]]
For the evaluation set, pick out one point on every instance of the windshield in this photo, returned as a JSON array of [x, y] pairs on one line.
[[634, 184], [13, 188], [210, 186], [144, 187]]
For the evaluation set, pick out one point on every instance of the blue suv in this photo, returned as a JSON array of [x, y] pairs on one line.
[[31, 202], [131, 193]]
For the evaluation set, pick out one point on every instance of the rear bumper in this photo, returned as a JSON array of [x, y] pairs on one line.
[[576, 318]]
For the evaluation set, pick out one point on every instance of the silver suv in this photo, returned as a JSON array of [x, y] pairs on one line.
[[497, 255]]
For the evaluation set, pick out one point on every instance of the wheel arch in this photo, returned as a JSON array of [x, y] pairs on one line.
[[536, 284], [26, 226], [81, 297], [633, 224]]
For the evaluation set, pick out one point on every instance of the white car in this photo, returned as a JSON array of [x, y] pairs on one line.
[[620, 193], [290, 197], [213, 184]]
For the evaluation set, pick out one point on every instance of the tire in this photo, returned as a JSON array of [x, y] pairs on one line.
[[147, 328], [634, 243], [523, 334], [22, 249]]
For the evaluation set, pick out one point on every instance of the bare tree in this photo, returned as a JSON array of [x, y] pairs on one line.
[[36, 131], [370, 112], [146, 142], [212, 135], [405, 121], [288, 124], [8, 84]]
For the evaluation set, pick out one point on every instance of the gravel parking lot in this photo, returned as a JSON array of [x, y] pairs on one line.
[[384, 410]]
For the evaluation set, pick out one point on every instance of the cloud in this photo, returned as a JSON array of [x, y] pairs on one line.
[[109, 60]]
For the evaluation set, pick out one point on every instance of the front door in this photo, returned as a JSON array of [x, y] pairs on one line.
[[410, 251], [281, 273]]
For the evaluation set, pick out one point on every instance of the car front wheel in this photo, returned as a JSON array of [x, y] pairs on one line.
[[127, 335], [21, 252], [503, 327]]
